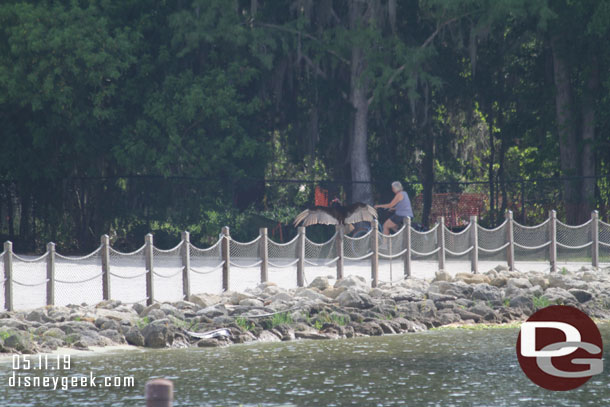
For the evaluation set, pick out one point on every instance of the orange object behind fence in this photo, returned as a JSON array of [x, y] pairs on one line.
[[321, 196]]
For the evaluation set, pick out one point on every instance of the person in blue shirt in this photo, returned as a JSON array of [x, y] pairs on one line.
[[401, 205]]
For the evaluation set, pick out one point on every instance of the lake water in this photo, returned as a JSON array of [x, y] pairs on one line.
[[455, 367]]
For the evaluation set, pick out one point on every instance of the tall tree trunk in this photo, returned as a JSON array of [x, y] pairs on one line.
[[362, 191], [502, 173], [588, 138], [490, 172], [428, 177], [568, 152]]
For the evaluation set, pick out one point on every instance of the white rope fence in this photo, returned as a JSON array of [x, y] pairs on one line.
[[150, 274]]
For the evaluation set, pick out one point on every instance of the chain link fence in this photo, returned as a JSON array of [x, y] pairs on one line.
[[150, 274]]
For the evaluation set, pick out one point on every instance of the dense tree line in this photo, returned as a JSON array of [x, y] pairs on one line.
[[138, 114]]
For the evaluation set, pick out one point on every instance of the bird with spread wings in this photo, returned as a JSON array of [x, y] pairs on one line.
[[336, 214]]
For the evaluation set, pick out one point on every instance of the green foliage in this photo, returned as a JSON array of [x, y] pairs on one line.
[[142, 322], [540, 302], [244, 324], [281, 318]]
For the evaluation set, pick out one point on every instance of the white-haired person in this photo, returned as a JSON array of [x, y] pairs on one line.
[[401, 205]]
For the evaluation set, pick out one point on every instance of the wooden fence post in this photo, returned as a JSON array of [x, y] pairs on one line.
[[148, 255], [226, 257], [105, 252], [8, 276], [440, 232], [339, 242], [406, 243], [51, 273], [301, 254], [474, 241], [159, 393], [263, 252], [553, 236], [510, 250], [186, 265], [595, 239], [375, 255]]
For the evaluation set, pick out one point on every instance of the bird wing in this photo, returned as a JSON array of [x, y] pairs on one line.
[[315, 215], [360, 212]]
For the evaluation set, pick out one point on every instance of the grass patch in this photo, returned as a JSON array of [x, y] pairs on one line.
[[281, 318], [142, 322], [244, 324], [540, 302]]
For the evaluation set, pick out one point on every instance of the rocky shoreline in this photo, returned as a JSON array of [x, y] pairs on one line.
[[323, 310]]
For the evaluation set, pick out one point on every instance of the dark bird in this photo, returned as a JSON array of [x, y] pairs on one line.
[[336, 214]]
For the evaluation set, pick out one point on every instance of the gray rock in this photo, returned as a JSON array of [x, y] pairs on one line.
[[209, 343], [151, 307], [213, 311], [407, 294], [138, 308], [447, 316], [267, 336], [15, 324], [280, 297], [157, 334], [77, 327], [557, 295], [486, 292], [522, 302], [53, 332], [320, 282], [37, 316], [169, 309], [523, 283], [156, 314], [484, 311], [251, 302], [442, 276], [311, 335], [581, 295], [134, 337], [369, 328], [310, 294], [19, 342], [205, 300], [113, 335], [353, 282], [354, 299], [436, 297], [466, 315]]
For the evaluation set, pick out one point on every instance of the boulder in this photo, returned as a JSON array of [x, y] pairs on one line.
[[37, 316], [310, 294], [169, 309], [157, 334], [133, 336], [18, 341], [320, 282], [353, 282], [581, 295], [442, 276], [523, 302], [407, 294], [484, 311], [205, 300], [523, 283], [251, 302], [470, 278], [113, 335], [267, 336], [311, 335], [333, 292], [486, 292], [557, 295], [369, 328], [208, 343], [354, 299]]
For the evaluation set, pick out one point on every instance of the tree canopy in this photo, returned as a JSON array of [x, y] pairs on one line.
[[128, 116]]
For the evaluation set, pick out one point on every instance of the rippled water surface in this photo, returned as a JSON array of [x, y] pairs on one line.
[[438, 368]]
